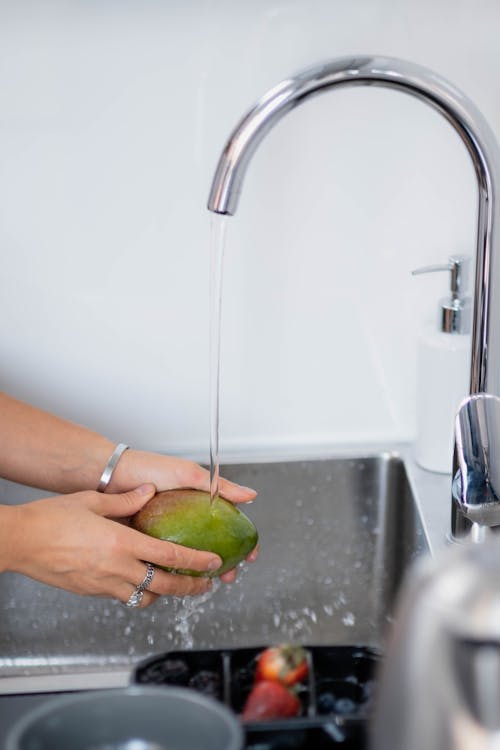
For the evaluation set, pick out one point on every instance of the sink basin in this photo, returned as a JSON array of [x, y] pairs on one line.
[[336, 537]]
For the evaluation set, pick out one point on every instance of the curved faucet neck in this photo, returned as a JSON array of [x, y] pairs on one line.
[[353, 71]]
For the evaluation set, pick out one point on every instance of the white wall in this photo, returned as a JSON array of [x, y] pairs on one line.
[[112, 117]]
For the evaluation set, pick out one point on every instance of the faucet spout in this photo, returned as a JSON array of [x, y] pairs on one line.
[[473, 130]]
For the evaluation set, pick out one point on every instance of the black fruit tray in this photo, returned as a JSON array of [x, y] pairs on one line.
[[336, 696]]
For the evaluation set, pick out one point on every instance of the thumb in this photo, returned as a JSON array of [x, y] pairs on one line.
[[126, 503]]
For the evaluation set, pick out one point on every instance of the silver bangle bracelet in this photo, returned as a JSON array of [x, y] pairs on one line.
[[111, 466]]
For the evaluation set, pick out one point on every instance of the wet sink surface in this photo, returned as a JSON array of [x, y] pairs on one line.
[[336, 536]]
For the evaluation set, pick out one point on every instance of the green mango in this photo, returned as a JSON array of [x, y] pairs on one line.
[[188, 517]]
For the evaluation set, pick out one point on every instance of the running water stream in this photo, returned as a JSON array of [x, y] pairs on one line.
[[217, 244]]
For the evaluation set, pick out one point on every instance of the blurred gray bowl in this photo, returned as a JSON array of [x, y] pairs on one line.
[[135, 718]]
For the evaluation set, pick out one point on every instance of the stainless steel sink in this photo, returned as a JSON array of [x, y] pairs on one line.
[[336, 537]]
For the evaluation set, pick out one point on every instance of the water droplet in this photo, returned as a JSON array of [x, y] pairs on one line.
[[349, 620]]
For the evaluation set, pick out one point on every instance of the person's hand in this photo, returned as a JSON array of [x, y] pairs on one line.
[[170, 472], [72, 542]]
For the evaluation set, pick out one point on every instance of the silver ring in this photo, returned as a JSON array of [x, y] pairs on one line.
[[147, 578], [135, 597]]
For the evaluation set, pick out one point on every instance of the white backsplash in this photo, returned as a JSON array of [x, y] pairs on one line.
[[112, 118]]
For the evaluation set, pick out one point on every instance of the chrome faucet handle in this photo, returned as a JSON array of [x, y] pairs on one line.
[[476, 485]]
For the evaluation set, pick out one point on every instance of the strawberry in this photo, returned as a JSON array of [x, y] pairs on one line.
[[286, 664], [270, 700]]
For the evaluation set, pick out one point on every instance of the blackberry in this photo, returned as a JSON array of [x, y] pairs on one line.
[[207, 682], [165, 672]]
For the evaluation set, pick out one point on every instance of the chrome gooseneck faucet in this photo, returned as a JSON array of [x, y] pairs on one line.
[[481, 145]]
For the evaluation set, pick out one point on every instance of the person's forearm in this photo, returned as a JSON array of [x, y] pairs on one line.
[[8, 535], [42, 450]]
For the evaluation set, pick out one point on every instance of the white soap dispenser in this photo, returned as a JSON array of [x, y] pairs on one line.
[[443, 369]]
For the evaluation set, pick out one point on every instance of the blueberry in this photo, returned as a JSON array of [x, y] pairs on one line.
[[369, 689], [345, 706], [326, 703]]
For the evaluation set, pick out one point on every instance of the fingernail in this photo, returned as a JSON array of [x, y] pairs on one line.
[[145, 489], [248, 491], [243, 487], [214, 563]]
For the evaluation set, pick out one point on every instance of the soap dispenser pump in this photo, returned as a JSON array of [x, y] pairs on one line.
[[443, 365]]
